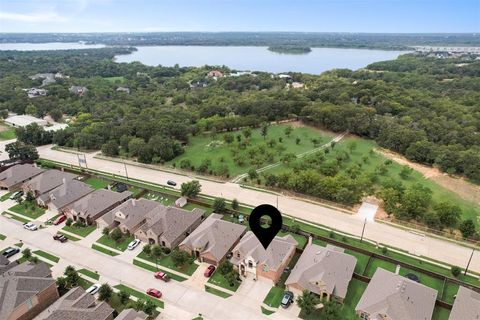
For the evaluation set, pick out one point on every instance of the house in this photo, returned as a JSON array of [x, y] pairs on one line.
[[24, 120], [213, 239], [78, 90], [325, 271], [466, 305], [3, 262], [285, 76], [129, 216], [252, 259], [26, 290], [181, 202], [393, 297], [13, 178], [198, 85], [297, 85], [215, 74], [95, 204], [168, 226], [77, 304], [35, 92], [45, 182], [48, 78], [123, 89], [131, 314], [63, 195]]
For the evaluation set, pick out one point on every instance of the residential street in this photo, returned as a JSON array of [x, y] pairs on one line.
[[413, 242]]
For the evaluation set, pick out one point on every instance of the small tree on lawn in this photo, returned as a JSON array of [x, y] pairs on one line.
[[307, 301], [34, 260], [105, 292], [264, 130], [225, 267], [219, 205], [27, 254], [252, 174], [138, 305], [72, 276], [191, 189], [69, 222], [147, 249], [30, 197], [179, 257], [106, 231], [123, 296], [62, 285], [149, 307], [231, 278], [116, 235], [456, 271], [298, 140], [235, 204], [288, 131], [157, 253]]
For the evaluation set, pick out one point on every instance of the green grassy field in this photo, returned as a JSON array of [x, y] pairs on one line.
[[120, 79], [218, 279], [274, 297], [6, 196], [140, 295], [121, 245], [81, 231], [28, 209], [6, 132], [217, 292], [377, 263], [166, 261], [440, 313], [46, 255], [96, 183], [362, 261], [103, 250], [201, 147], [148, 267], [89, 274], [15, 217], [2, 237]]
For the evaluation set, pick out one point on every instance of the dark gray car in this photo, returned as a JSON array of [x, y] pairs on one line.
[[287, 299], [10, 252]]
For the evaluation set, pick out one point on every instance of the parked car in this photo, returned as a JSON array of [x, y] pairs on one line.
[[154, 293], [132, 245], [162, 276], [30, 226], [171, 183], [210, 270], [16, 195], [10, 252], [60, 237], [287, 299], [94, 288], [59, 220]]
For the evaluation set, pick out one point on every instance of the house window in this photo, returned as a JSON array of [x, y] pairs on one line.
[[250, 264], [265, 268], [238, 254]]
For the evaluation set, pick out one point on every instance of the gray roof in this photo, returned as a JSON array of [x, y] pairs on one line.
[[274, 256], [68, 192], [3, 261], [98, 201], [397, 297], [134, 210], [466, 305], [76, 304], [171, 222], [215, 236], [18, 174], [21, 282], [323, 269], [49, 180], [131, 314]]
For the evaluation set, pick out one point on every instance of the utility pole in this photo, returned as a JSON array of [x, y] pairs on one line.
[[277, 202], [469, 260], [363, 229], [126, 172]]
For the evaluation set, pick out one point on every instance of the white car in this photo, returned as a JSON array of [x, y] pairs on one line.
[[30, 226], [94, 288], [132, 245]]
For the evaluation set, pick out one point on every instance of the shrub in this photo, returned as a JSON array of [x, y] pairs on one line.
[[456, 271], [69, 222]]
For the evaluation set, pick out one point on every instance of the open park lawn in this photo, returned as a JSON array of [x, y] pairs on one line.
[[256, 154], [29, 209]]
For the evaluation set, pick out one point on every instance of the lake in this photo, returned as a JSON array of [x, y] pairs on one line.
[[258, 58], [48, 46]]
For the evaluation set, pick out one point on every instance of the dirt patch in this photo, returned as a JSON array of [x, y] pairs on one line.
[[466, 190]]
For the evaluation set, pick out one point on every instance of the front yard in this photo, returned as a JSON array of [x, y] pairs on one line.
[[166, 261], [218, 279], [274, 297], [96, 183], [140, 295], [28, 209], [121, 245], [79, 230]]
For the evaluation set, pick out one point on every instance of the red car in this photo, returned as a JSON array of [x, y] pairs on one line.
[[210, 270], [60, 220], [162, 276], [154, 293]]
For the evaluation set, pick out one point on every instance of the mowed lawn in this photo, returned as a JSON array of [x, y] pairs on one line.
[[96, 183], [28, 209], [200, 147]]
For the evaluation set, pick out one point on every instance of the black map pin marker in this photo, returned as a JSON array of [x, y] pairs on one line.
[[265, 235]]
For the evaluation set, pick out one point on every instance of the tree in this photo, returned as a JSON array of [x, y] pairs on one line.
[[116, 234], [307, 302], [62, 285], [135, 146], [105, 292], [191, 189], [31, 110], [147, 249], [20, 151], [124, 296], [405, 173], [247, 133], [219, 205], [332, 311], [149, 307], [179, 257], [297, 140], [157, 253], [56, 114], [456, 271], [235, 204], [252, 174], [231, 278], [30, 197], [34, 260], [467, 228], [264, 130], [288, 131], [225, 267], [106, 231], [72, 276], [27, 254], [228, 138], [448, 214], [69, 222], [110, 148]]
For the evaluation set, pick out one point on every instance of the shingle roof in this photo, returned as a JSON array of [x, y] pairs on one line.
[[325, 268], [275, 254], [131, 314], [214, 236], [171, 222], [49, 180], [134, 210], [98, 201], [76, 304], [397, 297], [69, 192], [18, 173], [466, 305], [21, 282]]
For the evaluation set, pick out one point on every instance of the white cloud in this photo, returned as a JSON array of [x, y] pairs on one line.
[[51, 16]]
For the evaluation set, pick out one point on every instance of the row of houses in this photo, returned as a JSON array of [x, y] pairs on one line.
[[28, 291]]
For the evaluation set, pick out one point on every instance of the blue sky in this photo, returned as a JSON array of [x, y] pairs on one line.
[[240, 15]]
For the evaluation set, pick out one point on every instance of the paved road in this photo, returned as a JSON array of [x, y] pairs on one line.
[[412, 242], [181, 301]]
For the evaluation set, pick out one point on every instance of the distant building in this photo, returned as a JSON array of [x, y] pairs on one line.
[[394, 297], [26, 290], [252, 260], [65, 194], [466, 305], [45, 182], [24, 120], [77, 304], [35, 92], [48, 78], [212, 239], [78, 90], [123, 89], [13, 178], [297, 85], [325, 271], [215, 74], [132, 314], [285, 76]]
